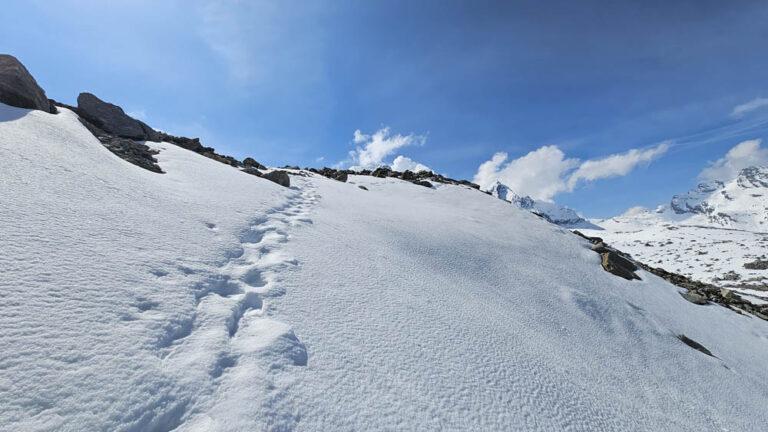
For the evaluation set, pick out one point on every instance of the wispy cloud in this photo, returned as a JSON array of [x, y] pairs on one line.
[[753, 105], [615, 165], [547, 171], [374, 148], [743, 155], [261, 42]]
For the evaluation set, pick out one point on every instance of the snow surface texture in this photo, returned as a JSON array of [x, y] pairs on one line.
[[708, 233], [557, 214], [208, 299]]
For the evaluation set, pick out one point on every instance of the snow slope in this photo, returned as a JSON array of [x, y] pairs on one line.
[[208, 299]]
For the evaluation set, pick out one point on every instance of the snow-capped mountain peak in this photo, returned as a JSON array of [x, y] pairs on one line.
[[740, 203], [552, 212]]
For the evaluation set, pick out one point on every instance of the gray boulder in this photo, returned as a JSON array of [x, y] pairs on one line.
[[113, 120], [695, 298], [19, 89], [279, 177]]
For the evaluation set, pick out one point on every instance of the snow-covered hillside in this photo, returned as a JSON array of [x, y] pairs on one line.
[[714, 233], [208, 299], [557, 214]]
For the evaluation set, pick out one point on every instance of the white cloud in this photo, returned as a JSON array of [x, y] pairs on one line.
[[403, 163], [615, 165], [547, 171], [539, 173], [743, 155], [754, 104], [319, 159], [376, 147]]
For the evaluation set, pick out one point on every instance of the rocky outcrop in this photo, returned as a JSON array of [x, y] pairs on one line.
[[111, 119], [19, 89]]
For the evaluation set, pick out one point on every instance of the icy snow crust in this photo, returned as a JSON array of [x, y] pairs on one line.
[[208, 299]]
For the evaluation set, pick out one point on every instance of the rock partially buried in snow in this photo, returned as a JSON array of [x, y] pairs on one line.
[[19, 89], [695, 298], [279, 177], [616, 264], [695, 345]]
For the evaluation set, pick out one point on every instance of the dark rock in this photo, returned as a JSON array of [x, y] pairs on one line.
[[616, 264], [470, 184], [423, 183], [19, 89], [293, 167], [381, 172], [363, 187], [695, 298], [756, 265], [250, 162], [113, 120], [695, 345], [600, 247], [252, 171], [408, 175], [229, 160], [279, 177], [341, 176], [136, 153]]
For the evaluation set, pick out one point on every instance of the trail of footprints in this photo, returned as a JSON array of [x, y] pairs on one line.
[[232, 323]]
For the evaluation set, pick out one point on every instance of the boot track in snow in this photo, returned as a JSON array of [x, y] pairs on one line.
[[232, 335]]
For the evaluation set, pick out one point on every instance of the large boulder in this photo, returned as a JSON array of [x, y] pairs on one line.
[[19, 89], [113, 120], [279, 177]]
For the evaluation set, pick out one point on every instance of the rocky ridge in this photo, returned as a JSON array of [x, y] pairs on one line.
[[699, 293]]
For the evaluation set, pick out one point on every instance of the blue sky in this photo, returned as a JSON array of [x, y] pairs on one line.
[[454, 82]]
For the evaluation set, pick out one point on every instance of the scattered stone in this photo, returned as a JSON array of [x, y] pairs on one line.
[[693, 344], [19, 89], [363, 187], [341, 176], [423, 183], [279, 177], [695, 298], [726, 293], [756, 265], [616, 264]]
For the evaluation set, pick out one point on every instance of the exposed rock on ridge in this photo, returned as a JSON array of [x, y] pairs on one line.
[[19, 89]]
